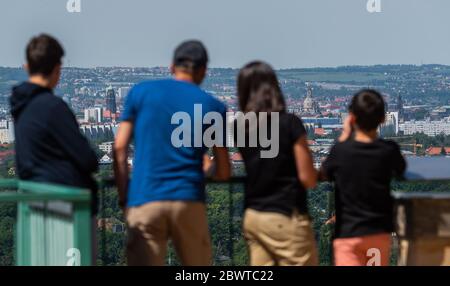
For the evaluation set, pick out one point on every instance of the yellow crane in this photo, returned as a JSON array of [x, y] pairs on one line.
[[414, 145]]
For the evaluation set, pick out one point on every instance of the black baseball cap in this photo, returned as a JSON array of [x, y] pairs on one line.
[[191, 54]]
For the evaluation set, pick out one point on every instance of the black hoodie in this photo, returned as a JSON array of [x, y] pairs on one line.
[[49, 145]]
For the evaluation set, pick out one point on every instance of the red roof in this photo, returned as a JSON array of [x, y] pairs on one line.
[[107, 113], [7, 153], [437, 150], [236, 157], [319, 131]]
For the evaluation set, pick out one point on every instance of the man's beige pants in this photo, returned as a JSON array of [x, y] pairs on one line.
[[150, 226], [276, 239]]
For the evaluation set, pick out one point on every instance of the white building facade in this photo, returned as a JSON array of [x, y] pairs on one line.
[[428, 127], [93, 115], [106, 147], [6, 132]]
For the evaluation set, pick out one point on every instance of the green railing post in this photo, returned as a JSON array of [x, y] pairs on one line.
[[51, 219], [82, 235], [23, 247]]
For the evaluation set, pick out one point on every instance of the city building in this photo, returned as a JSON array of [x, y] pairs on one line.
[[111, 100], [93, 115], [400, 110], [106, 147], [322, 126], [4, 136], [440, 112], [390, 126], [123, 92], [99, 132], [321, 121], [105, 160], [428, 127], [6, 132], [310, 106]]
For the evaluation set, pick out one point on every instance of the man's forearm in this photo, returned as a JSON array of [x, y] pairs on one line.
[[121, 174], [121, 145]]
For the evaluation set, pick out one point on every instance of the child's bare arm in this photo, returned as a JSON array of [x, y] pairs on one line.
[[304, 161], [347, 129], [331, 220]]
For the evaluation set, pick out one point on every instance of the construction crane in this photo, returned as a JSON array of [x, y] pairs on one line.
[[415, 146]]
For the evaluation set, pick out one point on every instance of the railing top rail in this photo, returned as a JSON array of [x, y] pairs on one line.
[[110, 182], [8, 184], [37, 187], [34, 191], [419, 169], [421, 195]]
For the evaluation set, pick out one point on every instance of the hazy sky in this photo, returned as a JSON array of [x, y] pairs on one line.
[[286, 33]]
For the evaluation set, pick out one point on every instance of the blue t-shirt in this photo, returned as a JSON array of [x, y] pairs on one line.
[[162, 171]]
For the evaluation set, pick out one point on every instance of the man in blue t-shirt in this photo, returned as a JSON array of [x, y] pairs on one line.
[[165, 198]]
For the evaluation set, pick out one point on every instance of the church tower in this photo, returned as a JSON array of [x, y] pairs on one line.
[[310, 106]]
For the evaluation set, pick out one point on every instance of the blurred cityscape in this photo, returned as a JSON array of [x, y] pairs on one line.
[[417, 97]]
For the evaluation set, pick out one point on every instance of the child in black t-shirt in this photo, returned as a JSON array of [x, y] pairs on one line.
[[362, 166]]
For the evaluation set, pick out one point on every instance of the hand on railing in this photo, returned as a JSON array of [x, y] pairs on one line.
[[331, 220]]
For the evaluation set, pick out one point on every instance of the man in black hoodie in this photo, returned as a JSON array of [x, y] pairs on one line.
[[49, 145]]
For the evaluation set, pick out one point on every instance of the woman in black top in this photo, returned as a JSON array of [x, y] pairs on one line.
[[276, 222]]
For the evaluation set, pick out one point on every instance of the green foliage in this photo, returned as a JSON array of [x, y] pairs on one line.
[[430, 186], [225, 219], [325, 248], [7, 216], [111, 250], [320, 206], [7, 226]]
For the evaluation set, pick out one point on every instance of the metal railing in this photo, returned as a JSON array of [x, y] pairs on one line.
[[225, 212], [53, 219], [53, 224], [224, 241]]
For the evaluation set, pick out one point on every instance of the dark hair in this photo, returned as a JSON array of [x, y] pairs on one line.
[[369, 108], [258, 89], [43, 54], [191, 54]]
